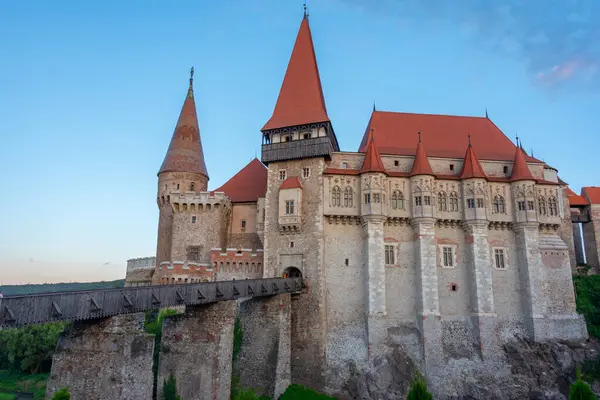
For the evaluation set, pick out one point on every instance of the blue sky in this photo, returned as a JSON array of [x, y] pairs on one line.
[[90, 93]]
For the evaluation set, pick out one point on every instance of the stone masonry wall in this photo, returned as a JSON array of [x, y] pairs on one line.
[[104, 359], [205, 232], [196, 349], [591, 238], [308, 310], [263, 362]]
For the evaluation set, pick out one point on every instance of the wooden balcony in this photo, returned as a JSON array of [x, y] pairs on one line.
[[296, 149]]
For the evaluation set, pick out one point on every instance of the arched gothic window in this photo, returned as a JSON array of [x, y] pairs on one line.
[[397, 200], [552, 207], [454, 202], [542, 205], [348, 197], [498, 205], [442, 201], [336, 197]]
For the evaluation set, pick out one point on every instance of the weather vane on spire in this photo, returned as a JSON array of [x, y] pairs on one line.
[[469, 136], [305, 11], [191, 74]]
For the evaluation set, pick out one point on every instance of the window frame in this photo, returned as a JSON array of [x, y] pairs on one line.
[[306, 172], [282, 174], [442, 255], [470, 203], [418, 201], [194, 219], [504, 251], [290, 207], [390, 250]]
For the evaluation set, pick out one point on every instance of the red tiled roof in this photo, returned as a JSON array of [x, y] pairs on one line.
[[341, 171], [291, 183], [185, 150], [443, 135], [575, 199], [592, 194], [520, 171], [372, 161], [471, 167], [248, 184], [300, 98], [421, 164]]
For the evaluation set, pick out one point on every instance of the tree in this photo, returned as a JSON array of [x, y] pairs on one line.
[[62, 394], [580, 390], [170, 389], [418, 389], [31, 347]]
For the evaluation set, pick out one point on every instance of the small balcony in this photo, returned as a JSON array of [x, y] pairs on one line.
[[290, 223]]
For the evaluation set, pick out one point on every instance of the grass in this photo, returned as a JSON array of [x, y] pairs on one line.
[[299, 392], [7, 396], [34, 384]]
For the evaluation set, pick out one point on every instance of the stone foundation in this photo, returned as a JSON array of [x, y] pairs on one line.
[[263, 362], [106, 359], [196, 349]]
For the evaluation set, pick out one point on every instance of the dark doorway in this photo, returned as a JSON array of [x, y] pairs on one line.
[[292, 272]]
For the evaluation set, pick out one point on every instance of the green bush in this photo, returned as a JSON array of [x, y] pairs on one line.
[[299, 392], [580, 390], [29, 349], [170, 389], [7, 396], [587, 289], [418, 390], [153, 325], [62, 394]]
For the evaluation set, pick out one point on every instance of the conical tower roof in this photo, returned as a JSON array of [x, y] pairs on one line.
[[300, 98], [520, 171], [185, 150], [372, 161], [421, 164], [471, 167]]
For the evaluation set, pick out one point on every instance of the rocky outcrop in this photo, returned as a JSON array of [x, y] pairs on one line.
[[530, 370]]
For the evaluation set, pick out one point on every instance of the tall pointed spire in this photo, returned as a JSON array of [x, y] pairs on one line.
[[421, 164], [372, 161], [471, 167], [185, 150], [300, 98], [520, 171]]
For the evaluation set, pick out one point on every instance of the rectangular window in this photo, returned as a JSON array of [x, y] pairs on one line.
[[345, 165], [193, 219], [288, 138], [427, 200], [305, 172], [389, 254], [530, 205], [479, 203], [470, 203], [521, 205], [307, 136], [289, 207], [367, 198], [499, 258], [282, 175], [376, 198], [417, 200], [193, 253], [447, 256], [243, 224]]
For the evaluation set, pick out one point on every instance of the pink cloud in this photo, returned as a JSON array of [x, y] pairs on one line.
[[567, 70]]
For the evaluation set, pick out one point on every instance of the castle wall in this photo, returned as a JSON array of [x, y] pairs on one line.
[[591, 237], [308, 310], [206, 232], [236, 264], [238, 236]]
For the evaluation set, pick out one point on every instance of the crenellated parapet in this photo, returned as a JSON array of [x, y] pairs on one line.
[[182, 272], [234, 263], [200, 202]]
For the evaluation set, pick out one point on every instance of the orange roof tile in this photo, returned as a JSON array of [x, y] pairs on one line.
[[520, 171], [421, 164], [248, 184], [592, 194], [372, 161], [575, 199], [443, 135], [300, 98], [471, 167], [185, 150], [291, 182]]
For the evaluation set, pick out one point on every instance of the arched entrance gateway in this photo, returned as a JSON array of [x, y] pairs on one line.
[[292, 272]]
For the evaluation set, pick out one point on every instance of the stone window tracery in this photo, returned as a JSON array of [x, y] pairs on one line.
[[336, 196], [289, 207], [480, 203], [530, 205], [427, 200], [498, 205], [417, 200], [282, 175], [521, 205], [390, 258], [348, 197], [552, 206], [454, 202], [542, 210], [471, 203], [367, 198], [397, 200], [442, 201], [376, 198]]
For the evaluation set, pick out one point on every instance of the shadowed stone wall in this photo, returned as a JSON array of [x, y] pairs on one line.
[[106, 359], [196, 349], [264, 359]]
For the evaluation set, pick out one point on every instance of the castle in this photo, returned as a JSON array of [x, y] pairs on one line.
[[438, 238]]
